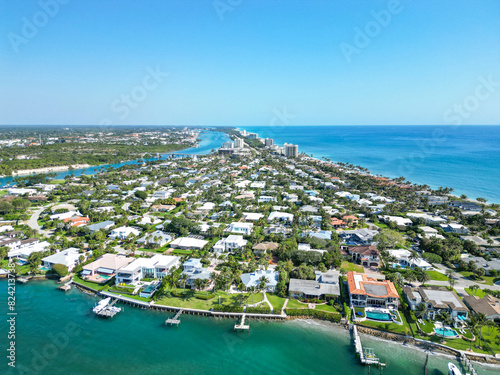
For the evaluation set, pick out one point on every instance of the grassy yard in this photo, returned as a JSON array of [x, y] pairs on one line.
[[276, 301], [435, 275], [295, 304], [131, 296], [190, 301], [94, 286], [391, 327], [477, 292], [327, 308], [348, 266]]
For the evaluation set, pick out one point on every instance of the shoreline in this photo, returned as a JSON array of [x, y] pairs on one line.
[[410, 341], [26, 172]]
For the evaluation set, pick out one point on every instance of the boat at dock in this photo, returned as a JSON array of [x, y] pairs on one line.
[[101, 305], [453, 370]]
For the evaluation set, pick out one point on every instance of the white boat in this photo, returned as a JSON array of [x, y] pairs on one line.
[[101, 305], [453, 370]]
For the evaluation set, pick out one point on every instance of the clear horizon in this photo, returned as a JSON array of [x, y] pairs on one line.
[[238, 63]]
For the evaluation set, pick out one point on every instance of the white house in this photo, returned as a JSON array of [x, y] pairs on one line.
[[237, 227], [281, 217], [188, 243], [454, 228], [403, 258], [398, 220], [429, 219], [68, 257], [266, 199], [253, 279], [251, 216], [123, 232], [156, 267], [232, 242]]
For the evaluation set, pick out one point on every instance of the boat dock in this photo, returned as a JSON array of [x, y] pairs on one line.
[[107, 309], [242, 326], [367, 355], [65, 287], [22, 280], [175, 320], [466, 363]]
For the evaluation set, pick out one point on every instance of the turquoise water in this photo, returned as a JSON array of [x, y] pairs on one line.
[[377, 315], [209, 141], [465, 158], [447, 332], [57, 335]]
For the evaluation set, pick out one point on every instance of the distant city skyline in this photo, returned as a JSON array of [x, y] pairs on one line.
[[243, 63]]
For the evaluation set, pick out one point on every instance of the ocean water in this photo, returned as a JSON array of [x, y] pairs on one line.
[[56, 334], [465, 158]]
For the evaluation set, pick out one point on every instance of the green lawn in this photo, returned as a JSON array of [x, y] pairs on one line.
[[131, 296], [391, 327], [327, 308], [348, 266], [381, 225], [435, 275], [190, 300], [94, 286], [181, 252], [295, 304], [3, 192], [477, 292], [276, 301]]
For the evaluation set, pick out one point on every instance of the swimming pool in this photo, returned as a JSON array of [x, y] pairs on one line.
[[378, 315], [105, 277], [447, 332]]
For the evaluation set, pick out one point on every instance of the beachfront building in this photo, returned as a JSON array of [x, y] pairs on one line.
[[325, 286], [368, 292], [438, 299], [253, 279], [488, 305], [24, 250], [188, 243], [105, 267], [69, 258], [156, 267], [193, 269]]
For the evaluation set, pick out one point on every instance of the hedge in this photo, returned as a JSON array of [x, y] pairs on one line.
[[258, 310], [225, 308], [205, 297], [319, 314]]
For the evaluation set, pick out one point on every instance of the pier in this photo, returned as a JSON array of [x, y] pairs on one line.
[[466, 363], [242, 326], [367, 355], [109, 310], [65, 287], [175, 320]]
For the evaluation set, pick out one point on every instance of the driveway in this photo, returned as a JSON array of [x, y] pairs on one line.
[[33, 220]]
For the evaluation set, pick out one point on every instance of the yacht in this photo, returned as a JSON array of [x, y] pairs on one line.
[[453, 370]]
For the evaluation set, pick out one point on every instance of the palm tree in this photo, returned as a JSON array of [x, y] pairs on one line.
[[263, 282], [481, 320], [423, 277], [474, 288], [473, 324], [421, 310], [198, 284], [183, 280]]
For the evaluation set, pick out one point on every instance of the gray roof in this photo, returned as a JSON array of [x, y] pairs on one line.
[[313, 287], [101, 225]]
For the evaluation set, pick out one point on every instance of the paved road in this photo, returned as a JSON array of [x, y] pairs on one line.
[[33, 220]]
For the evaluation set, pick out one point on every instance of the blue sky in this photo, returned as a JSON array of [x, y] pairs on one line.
[[238, 62]]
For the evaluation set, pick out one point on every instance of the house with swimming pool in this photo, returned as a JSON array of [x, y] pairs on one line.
[[156, 267], [438, 299], [105, 267], [365, 291]]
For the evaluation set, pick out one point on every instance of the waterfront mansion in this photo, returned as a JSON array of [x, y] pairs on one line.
[[368, 292]]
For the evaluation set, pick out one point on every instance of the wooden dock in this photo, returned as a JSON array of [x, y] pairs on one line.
[[65, 287], [467, 364], [242, 326], [367, 355], [175, 320]]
